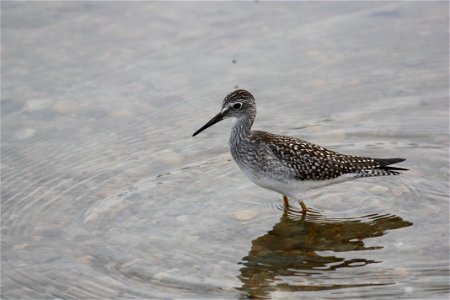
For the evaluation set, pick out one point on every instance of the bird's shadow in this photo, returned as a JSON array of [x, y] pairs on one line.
[[292, 248]]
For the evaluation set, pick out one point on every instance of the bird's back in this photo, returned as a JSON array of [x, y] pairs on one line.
[[306, 161]]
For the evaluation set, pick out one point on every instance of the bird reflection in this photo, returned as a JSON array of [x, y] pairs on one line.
[[292, 249]]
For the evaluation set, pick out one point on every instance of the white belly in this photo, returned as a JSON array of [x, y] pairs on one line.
[[295, 188]]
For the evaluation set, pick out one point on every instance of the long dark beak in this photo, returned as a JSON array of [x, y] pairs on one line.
[[217, 118]]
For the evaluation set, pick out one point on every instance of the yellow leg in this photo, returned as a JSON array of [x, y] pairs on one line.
[[304, 208], [286, 201]]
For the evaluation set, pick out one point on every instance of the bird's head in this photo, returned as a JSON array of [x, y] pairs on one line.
[[238, 104]]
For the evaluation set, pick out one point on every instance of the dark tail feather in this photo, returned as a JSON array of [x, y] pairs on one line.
[[385, 162]]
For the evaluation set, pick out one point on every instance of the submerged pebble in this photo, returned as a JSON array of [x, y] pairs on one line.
[[37, 104], [245, 215], [399, 190], [170, 157], [20, 246], [161, 275], [379, 189], [87, 259], [182, 219], [25, 133]]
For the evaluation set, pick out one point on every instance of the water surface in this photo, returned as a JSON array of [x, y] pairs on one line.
[[105, 194]]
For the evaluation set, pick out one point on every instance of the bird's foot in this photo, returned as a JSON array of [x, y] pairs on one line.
[[304, 208], [302, 204], [286, 201]]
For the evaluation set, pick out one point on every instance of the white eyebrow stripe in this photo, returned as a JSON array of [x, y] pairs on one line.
[[228, 106]]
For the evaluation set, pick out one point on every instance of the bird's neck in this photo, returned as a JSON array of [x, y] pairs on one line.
[[240, 130]]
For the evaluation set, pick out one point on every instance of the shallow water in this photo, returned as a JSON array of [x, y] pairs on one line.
[[105, 194]]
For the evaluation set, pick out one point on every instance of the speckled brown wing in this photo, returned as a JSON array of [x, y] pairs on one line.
[[308, 161]]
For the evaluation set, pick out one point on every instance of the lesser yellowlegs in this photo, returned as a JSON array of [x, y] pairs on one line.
[[288, 165]]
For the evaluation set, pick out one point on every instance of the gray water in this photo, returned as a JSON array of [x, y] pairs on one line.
[[105, 194]]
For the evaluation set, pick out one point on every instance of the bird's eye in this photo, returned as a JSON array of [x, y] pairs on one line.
[[237, 105]]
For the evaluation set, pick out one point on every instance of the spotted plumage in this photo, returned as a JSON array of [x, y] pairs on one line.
[[313, 162], [285, 164]]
